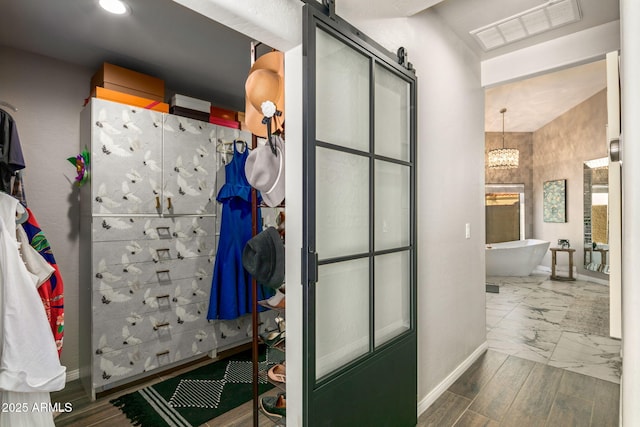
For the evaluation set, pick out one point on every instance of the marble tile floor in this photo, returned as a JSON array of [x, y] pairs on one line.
[[560, 324]]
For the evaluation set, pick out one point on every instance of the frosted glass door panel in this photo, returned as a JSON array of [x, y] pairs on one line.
[[392, 205], [342, 200], [342, 98], [342, 314], [392, 297], [391, 115]]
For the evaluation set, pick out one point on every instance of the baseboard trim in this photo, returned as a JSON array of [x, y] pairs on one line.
[[437, 391], [73, 375]]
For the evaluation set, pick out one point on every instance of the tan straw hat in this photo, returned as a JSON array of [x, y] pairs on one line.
[[264, 83]]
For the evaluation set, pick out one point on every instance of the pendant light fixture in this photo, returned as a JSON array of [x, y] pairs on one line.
[[503, 158]]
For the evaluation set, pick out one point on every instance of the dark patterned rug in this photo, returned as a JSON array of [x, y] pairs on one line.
[[196, 397], [588, 315]]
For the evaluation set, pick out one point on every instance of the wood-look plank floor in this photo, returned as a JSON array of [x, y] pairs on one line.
[[502, 390], [101, 413], [497, 390]]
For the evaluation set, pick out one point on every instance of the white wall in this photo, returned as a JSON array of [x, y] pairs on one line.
[[49, 95], [451, 269]]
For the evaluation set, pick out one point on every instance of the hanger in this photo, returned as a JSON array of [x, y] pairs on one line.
[[21, 214], [226, 147], [8, 105]]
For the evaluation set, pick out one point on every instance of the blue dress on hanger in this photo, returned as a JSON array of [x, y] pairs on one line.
[[231, 284]]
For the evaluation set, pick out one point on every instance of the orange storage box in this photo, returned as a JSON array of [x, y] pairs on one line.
[[221, 113], [124, 80], [125, 98]]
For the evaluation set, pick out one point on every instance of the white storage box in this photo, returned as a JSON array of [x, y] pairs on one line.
[[191, 103]]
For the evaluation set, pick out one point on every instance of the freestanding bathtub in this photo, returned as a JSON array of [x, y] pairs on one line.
[[515, 258]]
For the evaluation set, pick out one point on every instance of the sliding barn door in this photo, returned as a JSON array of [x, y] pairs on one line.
[[359, 272]]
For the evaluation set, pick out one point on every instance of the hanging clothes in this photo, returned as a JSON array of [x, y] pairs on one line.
[[11, 158], [17, 190], [29, 364], [231, 284], [52, 290]]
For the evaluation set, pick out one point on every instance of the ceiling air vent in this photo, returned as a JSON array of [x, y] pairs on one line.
[[545, 17]]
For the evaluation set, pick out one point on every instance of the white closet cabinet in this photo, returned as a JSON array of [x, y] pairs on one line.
[[148, 242]]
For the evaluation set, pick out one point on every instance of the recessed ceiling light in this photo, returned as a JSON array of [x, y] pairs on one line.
[[117, 7]]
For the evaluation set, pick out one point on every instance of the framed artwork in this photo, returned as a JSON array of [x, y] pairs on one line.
[[554, 201]]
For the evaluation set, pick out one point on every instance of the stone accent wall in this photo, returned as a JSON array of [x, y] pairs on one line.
[[559, 150]]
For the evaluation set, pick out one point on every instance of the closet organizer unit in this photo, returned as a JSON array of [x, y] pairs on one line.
[[148, 242]]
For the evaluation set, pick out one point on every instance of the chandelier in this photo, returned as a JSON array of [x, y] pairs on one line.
[[503, 158]]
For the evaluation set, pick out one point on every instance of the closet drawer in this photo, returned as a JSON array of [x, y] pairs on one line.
[[128, 228], [132, 276], [117, 365], [160, 325], [136, 251], [139, 299]]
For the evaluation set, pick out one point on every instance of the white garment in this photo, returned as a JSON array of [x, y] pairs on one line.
[[26, 409], [35, 263], [29, 363]]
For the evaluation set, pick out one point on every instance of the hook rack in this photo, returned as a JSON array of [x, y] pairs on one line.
[[267, 121], [8, 105]]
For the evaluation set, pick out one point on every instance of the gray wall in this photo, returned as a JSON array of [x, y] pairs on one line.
[[49, 95], [559, 150]]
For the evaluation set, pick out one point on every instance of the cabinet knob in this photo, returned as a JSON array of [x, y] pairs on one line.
[[169, 206], [157, 202]]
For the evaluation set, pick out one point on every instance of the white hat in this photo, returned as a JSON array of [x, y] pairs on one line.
[[265, 171]]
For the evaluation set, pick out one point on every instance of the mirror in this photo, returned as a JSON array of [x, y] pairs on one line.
[[596, 220]]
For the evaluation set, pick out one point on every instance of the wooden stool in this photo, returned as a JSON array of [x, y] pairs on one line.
[[553, 263]]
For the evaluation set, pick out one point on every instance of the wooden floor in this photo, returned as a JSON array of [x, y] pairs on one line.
[[101, 413], [497, 390], [503, 390]]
